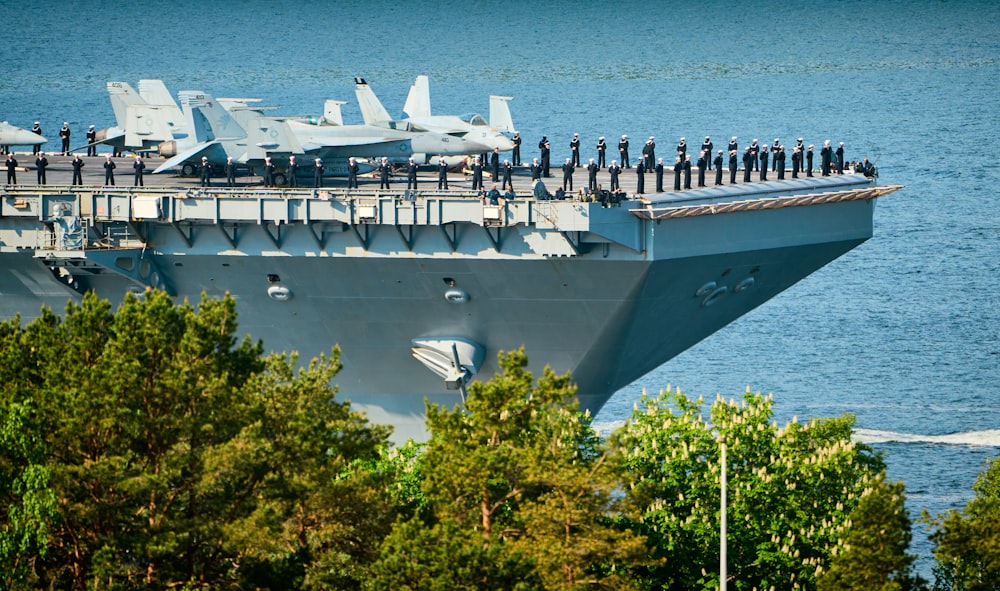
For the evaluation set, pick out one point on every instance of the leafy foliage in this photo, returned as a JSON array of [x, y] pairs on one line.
[[519, 487], [967, 542], [873, 553], [180, 457], [791, 490]]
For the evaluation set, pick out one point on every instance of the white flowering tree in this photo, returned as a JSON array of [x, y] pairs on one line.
[[791, 490]]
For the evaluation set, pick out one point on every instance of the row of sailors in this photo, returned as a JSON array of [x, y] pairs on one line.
[[831, 159]]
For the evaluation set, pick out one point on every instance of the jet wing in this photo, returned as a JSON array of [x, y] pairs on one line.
[[214, 151]]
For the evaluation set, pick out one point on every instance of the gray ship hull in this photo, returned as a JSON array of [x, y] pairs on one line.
[[609, 303]]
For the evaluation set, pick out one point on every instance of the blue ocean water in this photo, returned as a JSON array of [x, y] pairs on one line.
[[904, 331]]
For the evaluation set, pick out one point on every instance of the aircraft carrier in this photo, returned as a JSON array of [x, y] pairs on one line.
[[422, 289]]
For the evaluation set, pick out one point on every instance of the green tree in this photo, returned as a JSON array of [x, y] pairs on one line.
[[180, 456], [518, 489], [790, 491], [967, 542], [27, 502], [872, 556]]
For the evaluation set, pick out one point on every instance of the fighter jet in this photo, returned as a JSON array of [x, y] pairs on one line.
[[220, 135], [148, 120], [11, 135], [418, 110]]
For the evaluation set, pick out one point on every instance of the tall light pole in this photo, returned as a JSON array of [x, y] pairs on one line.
[[722, 522]]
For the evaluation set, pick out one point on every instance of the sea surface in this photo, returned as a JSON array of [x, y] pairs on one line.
[[904, 331]]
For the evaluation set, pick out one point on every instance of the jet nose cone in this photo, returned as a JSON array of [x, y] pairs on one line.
[[474, 147], [504, 143], [23, 137], [445, 145]]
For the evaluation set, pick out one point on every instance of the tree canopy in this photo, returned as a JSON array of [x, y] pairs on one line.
[[790, 495], [147, 448], [967, 542]]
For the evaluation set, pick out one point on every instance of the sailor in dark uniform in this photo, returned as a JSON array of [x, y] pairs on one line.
[[707, 147], [11, 169], [568, 175], [702, 165], [91, 140], [718, 168], [755, 152], [352, 173], [840, 158], [774, 150], [649, 152], [544, 149], [77, 170], [623, 151], [536, 170], [748, 161], [802, 152], [36, 128], [682, 149], [780, 159], [659, 175], [809, 161], [385, 171], [293, 172], [678, 171], [318, 170], [826, 155], [615, 170], [138, 166], [733, 146], [640, 181], [796, 162], [411, 175], [574, 150], [733, 165], [41, 163], [442, 175], [230, 169], [687, 172], [268, 172], [477, 174], [508, 171], [64, 135], [763, 163], [206, 171], [602, 147], [592, 176], [516, 153], [495, 164], [109, 171]]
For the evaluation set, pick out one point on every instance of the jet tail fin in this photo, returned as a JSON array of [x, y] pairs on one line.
[[418, 101], [372, 110], [145, 124], [500, 119], [266, 136], [155, 92], [207, 118], [331, 112], [122, 96]]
